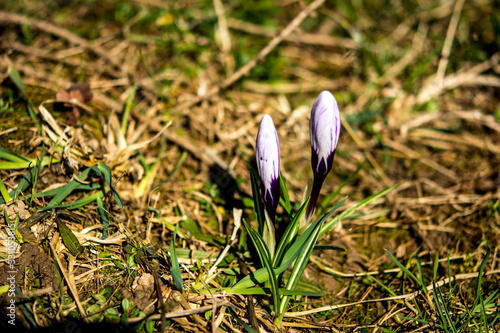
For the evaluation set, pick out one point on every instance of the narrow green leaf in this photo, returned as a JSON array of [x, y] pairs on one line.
[[259, 210], [421, 275], [328, 199], [69, 239], [76, 204], [300, 264], [16, 165], [406, 270], [66, 190], [128, 106], [285, 198], [289, 235], [352, 209], [102, 167], [302, 239], [265, 258], [51, 193], [266, 291], [175, 270], [16, 79], [261, 275], [7, 155], [24, 183], [377, 281], [480, 275], [4, 192], [103, 212]]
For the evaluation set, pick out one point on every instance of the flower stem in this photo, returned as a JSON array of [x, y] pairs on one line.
[[311, 206]]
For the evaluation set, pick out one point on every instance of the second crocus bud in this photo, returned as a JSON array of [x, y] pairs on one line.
[[324, 127]]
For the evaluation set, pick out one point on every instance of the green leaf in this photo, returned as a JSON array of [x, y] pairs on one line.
[[51, 193], [24, 183], [261, 275], [266, 291], [259, 210], [290, 234], [7, 155], [15, 164], [327, 201], [265, 258], [69, 239], [285, 198], [128, 106], [175, 270], [4, 192], [406, 271], [125, 305], [66, 190], [76, 204], [301, 263], [352, 209], [16, 79], [103, 212], [102, 167]]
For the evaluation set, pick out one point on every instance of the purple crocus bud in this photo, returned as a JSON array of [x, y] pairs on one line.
[[324, 127], [268, 164]]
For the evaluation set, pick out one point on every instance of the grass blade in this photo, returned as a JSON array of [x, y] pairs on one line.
[[126, 112], [261, 275], [352, 209], [290, 234], [4, 192], [175, 270], [16, 79], [102, 168], [103, 212], [69, 239], [265, 258], [285, 198], [66, 190], [327, 201], [406, 271], [259, 210], [300, 266]]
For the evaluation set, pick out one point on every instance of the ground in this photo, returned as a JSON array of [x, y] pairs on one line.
[[122, 120]]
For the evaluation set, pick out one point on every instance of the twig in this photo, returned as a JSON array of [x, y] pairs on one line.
[[445, 53], [12, 18], [225, 37], [177, 314], [243, 71], [71, 286], [302, 38]]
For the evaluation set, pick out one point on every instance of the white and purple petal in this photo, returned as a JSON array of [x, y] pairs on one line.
[[324, 128], [268, 163]]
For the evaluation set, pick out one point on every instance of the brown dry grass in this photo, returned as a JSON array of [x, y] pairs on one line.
[[423, 118]]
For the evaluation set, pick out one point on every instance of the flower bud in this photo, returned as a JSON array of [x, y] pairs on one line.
[[268, 164], [324, 127]]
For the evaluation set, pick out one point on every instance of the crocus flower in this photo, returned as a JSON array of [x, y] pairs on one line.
[[324, 127], [268, 164]]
